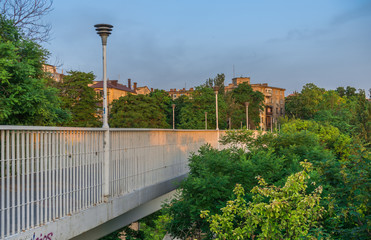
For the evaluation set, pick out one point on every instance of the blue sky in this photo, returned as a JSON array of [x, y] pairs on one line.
[[174, 44]]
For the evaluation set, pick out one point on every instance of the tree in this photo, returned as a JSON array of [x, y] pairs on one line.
[[286, 212], [210, 182], [304, 105], [192, 115], [80, 99], [27, 16], [164, 101], [244, 93], [137, 111], [25, 99], [218, 81]]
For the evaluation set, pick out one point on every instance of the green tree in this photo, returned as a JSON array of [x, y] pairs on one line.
[[244, 93], [218, 81], [192, 115], [180, 103], [344, 108], [25, 99], [137, 111], [286, 212], [164, 101], [213, 174], [80, 99]]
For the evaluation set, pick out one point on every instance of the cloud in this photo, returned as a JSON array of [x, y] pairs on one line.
[[362, 11], [304, 34]]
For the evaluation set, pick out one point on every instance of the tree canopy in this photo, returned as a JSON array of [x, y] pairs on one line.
[[25, 98], [344, 108], [79, 99], [138, 111]]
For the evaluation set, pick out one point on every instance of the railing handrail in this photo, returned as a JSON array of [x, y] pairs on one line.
[[48, 128], [45, 128]]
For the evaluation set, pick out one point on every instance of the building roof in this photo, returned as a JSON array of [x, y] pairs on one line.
[[113, 84], [264, 85]]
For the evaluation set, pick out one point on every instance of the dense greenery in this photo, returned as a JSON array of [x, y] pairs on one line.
[[192, 115], [341, 167], [343, 108], [80, 99], [140, 111], [25, 98], [274, 212]]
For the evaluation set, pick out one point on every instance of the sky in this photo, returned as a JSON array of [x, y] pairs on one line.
[[175, 44]]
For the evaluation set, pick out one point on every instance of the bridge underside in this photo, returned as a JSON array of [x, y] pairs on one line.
[[110, 216]]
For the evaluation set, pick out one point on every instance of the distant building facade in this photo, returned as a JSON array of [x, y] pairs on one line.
[[115, 90], [274, 101], [54, 74], [175, 93]]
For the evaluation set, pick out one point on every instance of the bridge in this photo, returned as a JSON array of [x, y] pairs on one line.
[[83, 183]]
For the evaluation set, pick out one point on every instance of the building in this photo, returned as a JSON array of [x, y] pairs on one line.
[[54, 74], [274, 101], [174, 93], [115, 90]]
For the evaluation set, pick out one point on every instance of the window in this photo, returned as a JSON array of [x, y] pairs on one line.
[[277, 110], [281, 110]]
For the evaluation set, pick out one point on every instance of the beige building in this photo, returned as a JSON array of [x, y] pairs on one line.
[[274, 104], [175, 93], [274, 101], [54, 74], [115, 90]]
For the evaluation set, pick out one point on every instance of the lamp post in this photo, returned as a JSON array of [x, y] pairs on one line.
[[173, 105], [261, 119], [205, 120], [104, 30], [247, 115], [216, 89]]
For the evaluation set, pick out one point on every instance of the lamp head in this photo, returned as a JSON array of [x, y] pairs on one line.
[[103, 30]]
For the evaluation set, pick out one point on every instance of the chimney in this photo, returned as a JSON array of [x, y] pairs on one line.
[[151, 89], [129, 83], [135, 86]]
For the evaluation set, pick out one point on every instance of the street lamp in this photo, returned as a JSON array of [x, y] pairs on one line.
[[247, 115], [104, 30], [261, 119], [205, 120], [173, 105], [216, 89]]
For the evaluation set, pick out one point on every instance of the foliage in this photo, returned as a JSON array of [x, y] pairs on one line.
[[80, 99], [164, 101], [345, 109], [180, 103], [137, 111], [218, 81], [192, 115], [213, 174], [25, 99], [242, 94], [274, 213]]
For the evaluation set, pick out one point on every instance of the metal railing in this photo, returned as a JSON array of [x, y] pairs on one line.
[[47, 173]]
